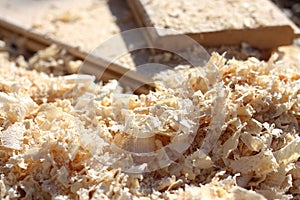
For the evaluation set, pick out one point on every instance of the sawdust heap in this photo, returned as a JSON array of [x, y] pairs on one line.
[[55, 130]]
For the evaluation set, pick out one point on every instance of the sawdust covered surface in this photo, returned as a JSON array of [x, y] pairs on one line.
[[79, 24], [222, 15], [54, 131]]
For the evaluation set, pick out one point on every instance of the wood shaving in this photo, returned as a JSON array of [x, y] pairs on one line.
[[52, 60], [58, 133], [12, 136]]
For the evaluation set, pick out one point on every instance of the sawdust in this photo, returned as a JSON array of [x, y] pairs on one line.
[[56, 131]]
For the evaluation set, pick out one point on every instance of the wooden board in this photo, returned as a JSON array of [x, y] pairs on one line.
[[79, 26], [213, 23], [82, 24]]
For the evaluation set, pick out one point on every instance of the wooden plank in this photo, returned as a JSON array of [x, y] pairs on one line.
[[38, 24], [81, 24], [213, 23], [93, 64]]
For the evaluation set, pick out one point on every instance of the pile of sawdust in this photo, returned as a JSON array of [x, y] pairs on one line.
[[58, 134]]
